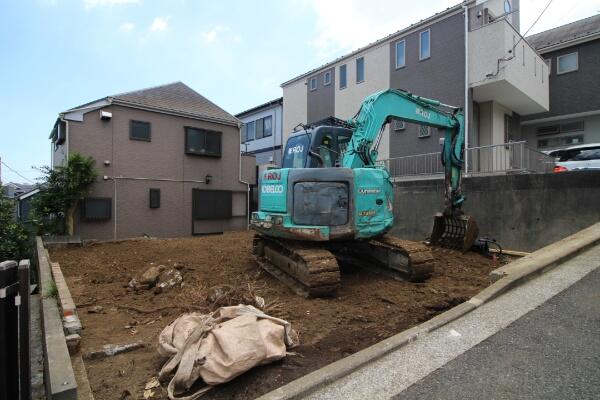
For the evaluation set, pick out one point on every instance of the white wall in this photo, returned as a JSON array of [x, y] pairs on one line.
[[276, 113], [377, 77], [294, 107]]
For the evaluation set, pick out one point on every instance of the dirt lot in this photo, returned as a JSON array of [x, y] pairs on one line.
[[368, 309]]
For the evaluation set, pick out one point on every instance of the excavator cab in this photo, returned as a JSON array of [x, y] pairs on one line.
[[319, 147]]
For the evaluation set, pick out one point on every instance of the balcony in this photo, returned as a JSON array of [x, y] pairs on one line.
[[516, 79]]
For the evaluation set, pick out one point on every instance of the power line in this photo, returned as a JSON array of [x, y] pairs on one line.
[[15, 172], [535, 22]]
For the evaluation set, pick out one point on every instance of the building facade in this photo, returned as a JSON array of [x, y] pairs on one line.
[[572, 53], [168, 163], [261, 132], [471, 51]]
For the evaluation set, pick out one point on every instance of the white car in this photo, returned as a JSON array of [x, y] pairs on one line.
[[580, 157]]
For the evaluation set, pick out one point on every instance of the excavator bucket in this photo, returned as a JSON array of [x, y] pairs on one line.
[[454, 232]]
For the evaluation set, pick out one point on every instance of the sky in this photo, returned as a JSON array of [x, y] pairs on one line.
[[57, 54]]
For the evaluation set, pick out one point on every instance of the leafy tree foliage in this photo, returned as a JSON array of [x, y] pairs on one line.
[[61, 188], [14, 239]]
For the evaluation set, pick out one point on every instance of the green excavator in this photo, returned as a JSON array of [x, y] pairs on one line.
[[331, 203]]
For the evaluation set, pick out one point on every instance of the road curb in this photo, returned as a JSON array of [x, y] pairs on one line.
[[503, 278]]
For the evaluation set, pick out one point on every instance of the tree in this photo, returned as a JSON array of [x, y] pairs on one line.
[[14, 239], [61, 188]]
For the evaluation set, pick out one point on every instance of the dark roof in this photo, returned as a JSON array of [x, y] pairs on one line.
[[574, 30], [264, 105], [175, 97]]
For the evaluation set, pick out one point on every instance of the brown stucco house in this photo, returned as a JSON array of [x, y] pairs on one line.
[[168, 162]]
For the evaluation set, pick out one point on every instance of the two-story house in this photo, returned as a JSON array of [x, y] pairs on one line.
[[572, 53], [168, 162], [261, 132], [472, 51]]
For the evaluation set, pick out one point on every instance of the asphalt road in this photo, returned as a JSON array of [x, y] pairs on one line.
[[553, 352]]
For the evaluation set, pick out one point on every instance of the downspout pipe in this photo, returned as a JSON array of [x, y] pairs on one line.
[[467, 101], [247, 187]]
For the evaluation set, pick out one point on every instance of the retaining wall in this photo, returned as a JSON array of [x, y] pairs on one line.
[[523, 212]]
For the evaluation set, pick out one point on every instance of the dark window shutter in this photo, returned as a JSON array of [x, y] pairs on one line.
[[96, 208], [211, 204], [154, 198]]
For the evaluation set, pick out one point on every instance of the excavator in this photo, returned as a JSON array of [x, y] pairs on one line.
[[331, 202]]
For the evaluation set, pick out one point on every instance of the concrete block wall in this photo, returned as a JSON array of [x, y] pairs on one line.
[[523, 212]]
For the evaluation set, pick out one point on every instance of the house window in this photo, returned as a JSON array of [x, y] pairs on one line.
[[260, 128], [560, 141], [507, 7], [567, 127], [399, 125], [312, 85], [400, 54], [268, 126], [202, 142], [96, 208], [547, 130], [139, 130], [567, 63], [250, 130], [154, 198], [425, 45], [360, 70], [327, 78], [211, 204], [571, 126], [424, 131], [508, 125], [343, 76], [243, 134]]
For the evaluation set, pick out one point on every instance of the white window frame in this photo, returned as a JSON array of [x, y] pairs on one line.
[[421, 58], [403, 41], [364, 69], [327, 78], [312, 84], [558, 72], [345, 67]]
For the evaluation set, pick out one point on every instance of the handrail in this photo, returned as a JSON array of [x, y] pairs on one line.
[[511, 157]]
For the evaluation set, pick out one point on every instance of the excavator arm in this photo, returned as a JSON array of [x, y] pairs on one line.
[[380, 108]]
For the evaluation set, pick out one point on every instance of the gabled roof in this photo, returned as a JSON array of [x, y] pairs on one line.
[[562, 35], [271, 103], [173, 98]]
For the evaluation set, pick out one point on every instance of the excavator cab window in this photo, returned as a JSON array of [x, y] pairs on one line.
[[326, 150], [296, 151]]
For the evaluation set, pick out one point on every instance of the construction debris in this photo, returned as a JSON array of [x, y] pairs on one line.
[[109, 350], [218, 347]]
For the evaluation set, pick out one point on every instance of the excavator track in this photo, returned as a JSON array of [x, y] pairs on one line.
[[307, 268], [312, 269], [390, 256]]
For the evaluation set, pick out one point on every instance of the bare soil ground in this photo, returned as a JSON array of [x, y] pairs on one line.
[[368, 309]]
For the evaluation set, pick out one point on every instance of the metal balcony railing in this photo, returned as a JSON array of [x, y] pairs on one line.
[[505, 158]]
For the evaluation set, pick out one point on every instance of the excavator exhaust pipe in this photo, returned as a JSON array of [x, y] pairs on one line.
[[457, 233]]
